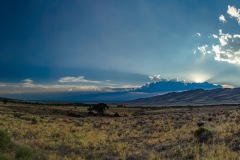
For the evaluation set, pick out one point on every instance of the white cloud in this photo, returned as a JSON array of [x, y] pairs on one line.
[[214, 36], [228, 48], [236, 36], [2, 85], [194, 51], [223, 38], [228, 45], [155, 78], [28, 86], [203, 50], [27, 81], [220, 32], [80, 79], [234, 13], [222, 19], [198, 34], [123, 87]]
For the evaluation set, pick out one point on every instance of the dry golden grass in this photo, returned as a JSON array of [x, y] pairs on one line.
[[147, 133]]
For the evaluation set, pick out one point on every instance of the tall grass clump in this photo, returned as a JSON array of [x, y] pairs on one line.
[[203, 135], [7, 148], [5, 141], [24, 153], [4, 157]]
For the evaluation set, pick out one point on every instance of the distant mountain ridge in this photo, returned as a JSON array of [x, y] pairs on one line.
[[3, 98], [192, 97]]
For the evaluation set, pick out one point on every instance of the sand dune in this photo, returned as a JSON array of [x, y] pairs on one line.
[[192, 97]]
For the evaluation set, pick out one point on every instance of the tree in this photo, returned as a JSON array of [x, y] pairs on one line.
[[100, 108], [4, 101]]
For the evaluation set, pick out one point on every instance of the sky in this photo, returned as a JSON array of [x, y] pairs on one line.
[[103, 46]]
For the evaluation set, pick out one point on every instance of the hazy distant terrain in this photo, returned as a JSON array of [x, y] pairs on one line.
[[192, 97], [118, 94]]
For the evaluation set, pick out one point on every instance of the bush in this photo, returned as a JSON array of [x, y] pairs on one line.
[[4, 101], [34, 121], [116, 115], [100, 108], [235, 144], [203, 134], [4, 157], [24, 153], [5, 141], [200, 124], [90, 113], [7, 146], [90, 109], [89, 156]]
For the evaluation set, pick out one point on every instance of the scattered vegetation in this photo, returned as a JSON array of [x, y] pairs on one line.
[[8, 149], [65, 132]]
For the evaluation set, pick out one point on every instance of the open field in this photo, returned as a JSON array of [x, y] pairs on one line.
[[67, 132]]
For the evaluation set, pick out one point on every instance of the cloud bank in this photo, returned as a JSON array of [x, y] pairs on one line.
[[65, 84], [28, 86], [164, 85]]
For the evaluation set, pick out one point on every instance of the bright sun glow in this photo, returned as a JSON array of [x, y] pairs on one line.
[[199, 78]]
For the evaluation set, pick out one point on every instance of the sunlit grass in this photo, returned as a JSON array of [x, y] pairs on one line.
[[138, 134]]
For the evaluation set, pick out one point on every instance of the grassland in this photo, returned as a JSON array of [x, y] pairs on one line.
[[67, 132]]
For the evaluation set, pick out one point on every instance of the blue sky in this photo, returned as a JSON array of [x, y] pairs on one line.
[[80, 45]]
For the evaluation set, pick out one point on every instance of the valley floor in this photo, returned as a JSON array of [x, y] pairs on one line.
[[140, 133]]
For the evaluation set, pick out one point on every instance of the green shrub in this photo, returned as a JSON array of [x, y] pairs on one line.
[[4, 157], [6, 146], [5, 141], [89, 156], [24, 153], [203, 134]]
